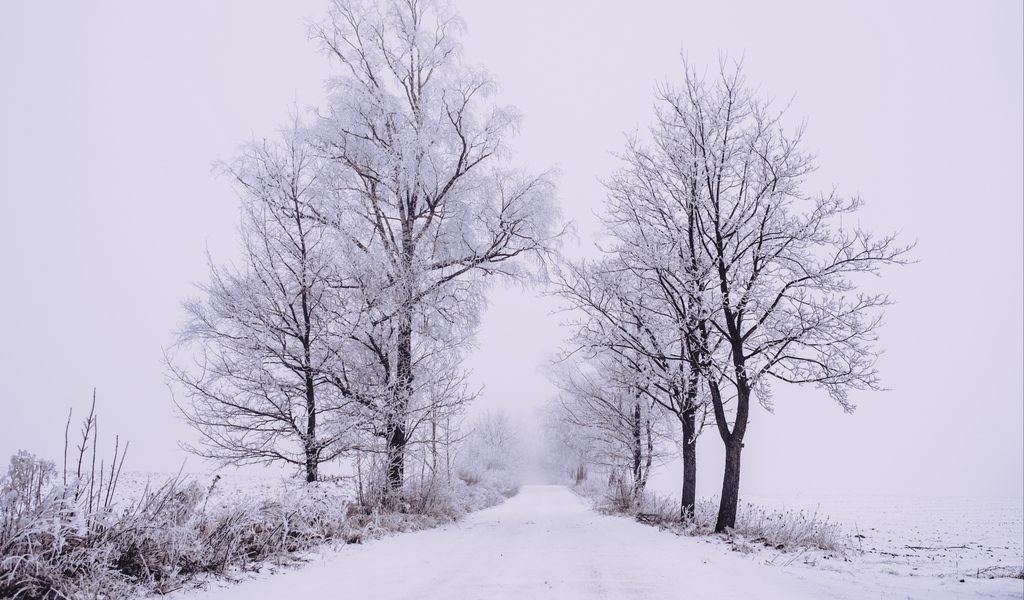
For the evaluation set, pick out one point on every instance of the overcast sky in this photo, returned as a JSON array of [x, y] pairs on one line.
[[112, 113]]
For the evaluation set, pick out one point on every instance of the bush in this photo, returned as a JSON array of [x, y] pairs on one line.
[[788, 529], [22, 488]]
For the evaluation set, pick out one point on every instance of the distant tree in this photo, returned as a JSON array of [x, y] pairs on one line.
[[259, 352], [651, 218], [568, 455], [492, 443], [627, 309], [779, 301], [414, 147], [602, 400]]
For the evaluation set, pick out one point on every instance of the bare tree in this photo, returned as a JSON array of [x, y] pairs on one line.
[[257, 356], [569, 455], [602, 400], [630, 309], [782, 302], [651, 217], [415, 148], [492, 443]]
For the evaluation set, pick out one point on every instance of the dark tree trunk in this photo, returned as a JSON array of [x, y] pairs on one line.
[[396, 459], [581, 474], [312, 452], [396, 434], [733, 441], [689, 493], [638, 451], [730, 486], [312, 467]]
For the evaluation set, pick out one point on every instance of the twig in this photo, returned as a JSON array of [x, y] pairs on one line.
[[117, 478], [67, 427], [95, 440]]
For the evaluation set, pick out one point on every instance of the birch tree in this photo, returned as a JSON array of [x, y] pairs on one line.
[[417, 154]]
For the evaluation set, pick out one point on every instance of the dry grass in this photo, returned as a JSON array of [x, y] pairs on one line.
[[998, 572], [756, 527], [52, 545], [70, 536]]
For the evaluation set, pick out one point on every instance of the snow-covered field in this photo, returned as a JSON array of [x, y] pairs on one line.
[[923, 537], [545, 543], [224, 487]]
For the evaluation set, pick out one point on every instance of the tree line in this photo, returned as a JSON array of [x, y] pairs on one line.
[[369, 234], [371, 231], [721, 277]]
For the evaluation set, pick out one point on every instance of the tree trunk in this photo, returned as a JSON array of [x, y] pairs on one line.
[[396, 434], [638, 451], [312, 467], [733, 441], [396, 458], [730, 485], [312, 452], [433, 437], [648, 461], [689, 493], [581, 473]]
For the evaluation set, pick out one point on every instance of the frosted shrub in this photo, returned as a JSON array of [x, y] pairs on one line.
[[40, 536], [788, 529], [154, 542], [53, 547], [759, 527], [23, 487], [72, 540]]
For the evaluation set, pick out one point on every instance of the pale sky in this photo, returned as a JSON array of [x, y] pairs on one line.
[[112, 113]]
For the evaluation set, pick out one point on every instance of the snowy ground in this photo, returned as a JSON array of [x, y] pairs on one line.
[[545, 543], [927, 537], [227, 486]]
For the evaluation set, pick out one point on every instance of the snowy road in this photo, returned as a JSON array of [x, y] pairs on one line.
[[545, 543]]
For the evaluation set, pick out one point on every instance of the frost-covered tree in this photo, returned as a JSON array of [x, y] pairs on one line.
[[625, 311], [651, 218], [492, 448], [780, 302], [416, 151], [569, 456], [603, 400], [259, 351]]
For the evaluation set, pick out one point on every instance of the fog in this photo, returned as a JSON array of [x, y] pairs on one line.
[[113, 113]]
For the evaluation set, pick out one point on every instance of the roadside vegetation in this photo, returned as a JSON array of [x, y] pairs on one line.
[[73, 533], [757, 528]]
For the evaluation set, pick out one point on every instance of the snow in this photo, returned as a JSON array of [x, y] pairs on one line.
[[546, 543], [226, 486], [924, 536]]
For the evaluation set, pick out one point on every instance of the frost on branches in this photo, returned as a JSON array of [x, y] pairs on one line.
[[345, 329], [415, 149], [738, 276], [269, 335]]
